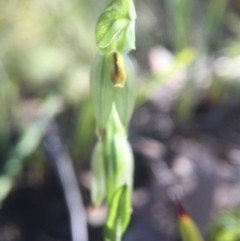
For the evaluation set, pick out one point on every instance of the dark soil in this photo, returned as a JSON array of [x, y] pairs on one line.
[[197, 160]]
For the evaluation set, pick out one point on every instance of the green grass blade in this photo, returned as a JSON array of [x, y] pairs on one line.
[[188, 229]]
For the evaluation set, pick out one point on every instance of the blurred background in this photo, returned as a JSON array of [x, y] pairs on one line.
[[185, 131]]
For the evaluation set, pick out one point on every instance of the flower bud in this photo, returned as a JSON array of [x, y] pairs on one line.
[[118, 156], [98, 178], [123, 157], [114, 30], [118, 214]]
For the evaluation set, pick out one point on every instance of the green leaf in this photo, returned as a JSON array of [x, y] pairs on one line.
[[101, 89], [118, 214], [124, 98], [98, 177], [111, 23]]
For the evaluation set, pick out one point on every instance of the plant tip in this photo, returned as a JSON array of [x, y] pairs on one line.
[[181, 209]]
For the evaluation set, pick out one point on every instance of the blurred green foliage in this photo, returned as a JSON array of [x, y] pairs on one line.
[[45, 53], [225, 227]]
